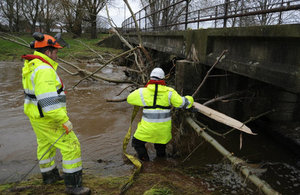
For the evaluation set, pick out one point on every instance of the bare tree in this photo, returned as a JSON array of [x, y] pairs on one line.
[[161, 13], [31, 10], [49, 14], [11, 11], [73, 15], [93, 7], [265, 19]]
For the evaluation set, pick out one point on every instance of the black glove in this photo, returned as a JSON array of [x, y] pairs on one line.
[[193, 109]]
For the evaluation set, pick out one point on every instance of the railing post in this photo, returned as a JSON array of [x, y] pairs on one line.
[[216, 15], [242, 12], [280, 14], [225, 13], [186, 13], [146, 19], [198, 19]]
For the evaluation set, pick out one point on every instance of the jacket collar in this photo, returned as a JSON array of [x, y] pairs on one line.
[[48, 59]]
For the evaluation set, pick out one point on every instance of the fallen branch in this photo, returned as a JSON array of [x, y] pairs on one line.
[[69, 63], [116, 100], [135, 22], [132, 70], [251, 119], [208, 72], [100, 56], [238, 163], [15, 37], [222, 97], [205, 127], [127, 44], [110, 80], [92, 74], [188, 156], [124, 89], [139, 35], [69, 72], [15, 41]]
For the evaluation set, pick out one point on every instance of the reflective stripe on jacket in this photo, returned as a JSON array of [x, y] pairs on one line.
[[41, 85], [155, 126]]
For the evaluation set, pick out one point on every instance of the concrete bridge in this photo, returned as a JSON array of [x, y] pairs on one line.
[[270, 54], [264, 54]]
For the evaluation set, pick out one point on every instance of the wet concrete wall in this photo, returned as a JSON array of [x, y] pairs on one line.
[[257, 97]]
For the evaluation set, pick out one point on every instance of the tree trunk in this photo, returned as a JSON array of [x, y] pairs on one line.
[[17, 22], [93, 26], [77, 28]]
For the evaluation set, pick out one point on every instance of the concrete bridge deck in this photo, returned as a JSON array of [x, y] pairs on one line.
[[270, 54]]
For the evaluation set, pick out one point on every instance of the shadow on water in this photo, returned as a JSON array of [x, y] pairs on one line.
[[101, 127]]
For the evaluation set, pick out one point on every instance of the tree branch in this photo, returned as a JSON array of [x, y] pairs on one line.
[[208, 72], [92, 74]]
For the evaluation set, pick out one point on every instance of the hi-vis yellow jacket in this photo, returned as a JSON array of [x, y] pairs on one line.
[[44, 94], [155, 126]]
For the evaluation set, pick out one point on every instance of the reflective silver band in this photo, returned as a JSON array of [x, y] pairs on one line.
[[72, 170], [51, 101], [157, 120], [43, 170], [185, 103], [28, 91], [45, 161], [29, 100], [69, 162], [169, 97], [142, 97], [156, 116]]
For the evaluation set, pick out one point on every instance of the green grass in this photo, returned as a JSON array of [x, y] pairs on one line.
[[151, 181], [10, 51]]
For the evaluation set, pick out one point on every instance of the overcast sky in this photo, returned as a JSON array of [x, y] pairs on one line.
[[117, 12]]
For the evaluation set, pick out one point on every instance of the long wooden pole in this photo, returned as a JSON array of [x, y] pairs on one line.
[[222, 118], [237, 162]]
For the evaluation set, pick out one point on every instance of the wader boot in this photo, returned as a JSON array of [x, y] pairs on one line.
[[73, 182], [51, 176], [160, 150], [140, 149]]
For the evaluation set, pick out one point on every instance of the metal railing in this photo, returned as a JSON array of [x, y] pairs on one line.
[[184, 15]]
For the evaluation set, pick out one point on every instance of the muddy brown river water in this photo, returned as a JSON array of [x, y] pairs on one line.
[[101, 127]]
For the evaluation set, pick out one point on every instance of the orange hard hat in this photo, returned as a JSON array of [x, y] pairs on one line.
[[44, 40]]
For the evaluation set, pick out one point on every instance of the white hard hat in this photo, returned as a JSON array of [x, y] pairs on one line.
[[157, 73]]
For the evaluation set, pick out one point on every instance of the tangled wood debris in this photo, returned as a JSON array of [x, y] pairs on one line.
[[142, 65]]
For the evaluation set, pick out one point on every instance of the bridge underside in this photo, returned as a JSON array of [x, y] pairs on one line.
[[270, 54]]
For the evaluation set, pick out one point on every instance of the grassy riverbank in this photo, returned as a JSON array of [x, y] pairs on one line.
[[155, 179], [10, 51]]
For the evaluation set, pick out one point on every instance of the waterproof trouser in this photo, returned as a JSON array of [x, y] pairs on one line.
[[141, 150], [47, 133]]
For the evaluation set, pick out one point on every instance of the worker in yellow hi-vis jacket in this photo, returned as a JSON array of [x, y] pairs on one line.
[[45, 106], [155, 126]]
